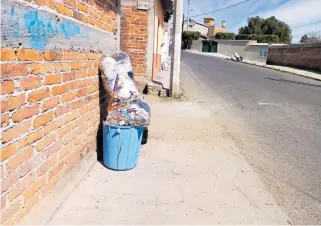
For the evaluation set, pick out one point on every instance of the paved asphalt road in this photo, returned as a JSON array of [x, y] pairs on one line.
[[276, 120]]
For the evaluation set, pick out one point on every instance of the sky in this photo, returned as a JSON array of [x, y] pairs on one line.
[[303, 16]]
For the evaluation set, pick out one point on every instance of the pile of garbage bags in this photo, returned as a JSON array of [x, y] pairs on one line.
[[126, 106], [236, 57]]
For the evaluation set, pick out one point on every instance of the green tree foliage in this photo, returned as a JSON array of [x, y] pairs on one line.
[[188, 37], [259, 38], [269, 26], [225, 35]]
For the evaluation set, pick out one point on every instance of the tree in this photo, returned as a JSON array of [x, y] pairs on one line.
[[188, 37], [269, 26], [305, 39], [225, 35]]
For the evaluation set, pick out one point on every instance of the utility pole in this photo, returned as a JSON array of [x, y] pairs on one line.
[[187, 15], [176, 56]]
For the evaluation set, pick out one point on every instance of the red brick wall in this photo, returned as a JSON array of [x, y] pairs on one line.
[[301, 56], [133, 37], [99, 13], [49, 121]]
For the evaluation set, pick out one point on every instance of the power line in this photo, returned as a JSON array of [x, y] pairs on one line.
[[221, 9]]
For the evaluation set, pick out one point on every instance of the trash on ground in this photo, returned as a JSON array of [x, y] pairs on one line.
[[235, 57]]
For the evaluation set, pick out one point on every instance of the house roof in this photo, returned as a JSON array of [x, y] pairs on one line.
[[197, 22]]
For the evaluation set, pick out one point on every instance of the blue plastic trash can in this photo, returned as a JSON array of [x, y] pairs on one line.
[[121, 146]]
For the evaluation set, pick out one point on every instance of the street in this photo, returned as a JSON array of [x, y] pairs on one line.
[[274, 118]]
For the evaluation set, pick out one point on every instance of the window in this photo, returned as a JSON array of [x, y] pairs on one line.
[[263, 54]]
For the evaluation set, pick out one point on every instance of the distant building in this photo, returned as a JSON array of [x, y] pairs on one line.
[[194, 25], [213, 28], [208, 28]]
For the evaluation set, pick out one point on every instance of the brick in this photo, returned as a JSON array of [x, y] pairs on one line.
[[76, 85], [64, 130], [8, 54], [55, 169], [62, 110], [95, 13], [91, 89], [93, 72], [63, 9], [70, 2], [29, 83], [52, 126], [3, 202], [2, 171], [24, 113], [68, 97], [38, 95], [79, 16], [9, 181], [7, 87], [69, 56], [9, 211], [70, 117], [65, 150], [81, 74], [22, 186], [82, 7], [57, 90], [69, 76], [8, 151], [51, 183], [52, 55], [12, 70], [54, 148], [4, 120], [41, 68], [17, 160], [42, 120], [76, 104], [48, 3], [82, 92], [28, 205], [47, 165], [49, 104], [29, 55], [15, 131], [32, 163], [76, 66], [30, 138], [52, 79], [62, 67], [28, 193], [45, 142]]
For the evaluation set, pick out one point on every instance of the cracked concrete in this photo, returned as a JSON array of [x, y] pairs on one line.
[[190, 172]]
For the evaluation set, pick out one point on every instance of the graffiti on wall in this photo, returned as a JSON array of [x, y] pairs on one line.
[[38, 27]]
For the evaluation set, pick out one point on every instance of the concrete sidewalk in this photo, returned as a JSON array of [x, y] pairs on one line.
[[300, 72], [188, 173]]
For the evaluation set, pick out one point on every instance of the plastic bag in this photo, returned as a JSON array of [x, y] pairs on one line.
[[136, 113], [119, 73], [127, 106]]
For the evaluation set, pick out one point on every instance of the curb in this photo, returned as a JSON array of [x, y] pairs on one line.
[[278, 69], [262, 65]]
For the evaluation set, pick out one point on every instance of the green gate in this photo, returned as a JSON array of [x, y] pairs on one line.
[[209, 46]]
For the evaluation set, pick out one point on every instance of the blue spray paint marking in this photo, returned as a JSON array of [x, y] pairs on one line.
[[42, 29], [15, 31], [70, 29], [39, 29]]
